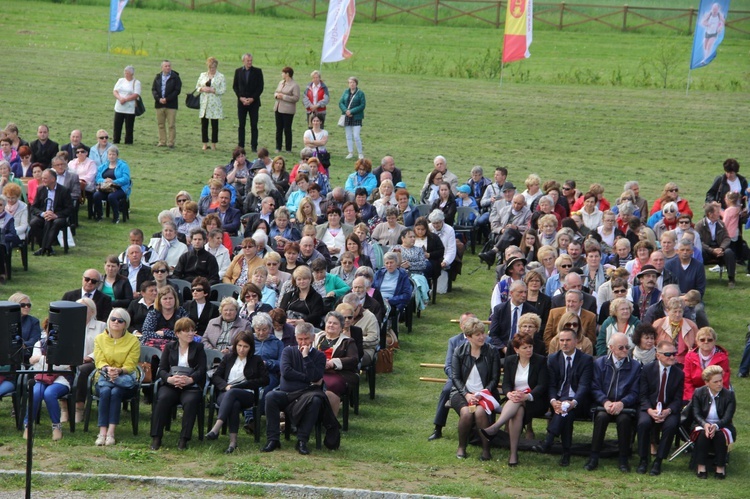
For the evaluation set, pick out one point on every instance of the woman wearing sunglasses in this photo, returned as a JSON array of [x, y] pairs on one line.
[[569, 320], [706, 353], [671, 194]]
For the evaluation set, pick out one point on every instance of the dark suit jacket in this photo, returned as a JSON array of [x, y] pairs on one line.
[[500, 323], [396, 174], [210, 311], [174, 87], [580, 381], [649, 389], [453, 343], [63, 205], [231, 223], [144, 274], [68, 148], [43, 153], [123, 292], [252, 88], [103, 302], [196, 360], [588, 324], [538, 381], [256, 374], [589, 302], [726, 404]]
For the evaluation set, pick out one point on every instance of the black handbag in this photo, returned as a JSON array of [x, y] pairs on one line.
[[193, 101], [324, 157], [139, 107]]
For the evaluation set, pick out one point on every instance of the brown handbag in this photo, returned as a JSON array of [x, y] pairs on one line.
[[146, 368]]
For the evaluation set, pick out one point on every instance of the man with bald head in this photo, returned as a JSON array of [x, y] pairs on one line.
[[307, 252], [387, 164], [135, 269], [614, 389], [573, 281], [75, 143], [89, 283]]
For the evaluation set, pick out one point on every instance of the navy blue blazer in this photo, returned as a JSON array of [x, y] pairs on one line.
[[501, 321], [231, 223], [580, 381], [649, 387], [626, 381]]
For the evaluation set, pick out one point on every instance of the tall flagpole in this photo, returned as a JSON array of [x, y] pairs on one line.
[[502, 66], [687, 90]]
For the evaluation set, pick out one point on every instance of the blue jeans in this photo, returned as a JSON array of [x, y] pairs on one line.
[[110, 403], [50, 394], [745, 363], [113, 199], [6, 387]]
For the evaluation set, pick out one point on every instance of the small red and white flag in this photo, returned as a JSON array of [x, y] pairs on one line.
[[487, 401], [338, 25]]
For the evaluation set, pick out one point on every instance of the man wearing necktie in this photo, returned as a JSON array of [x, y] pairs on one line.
[[615, 387], [89, 289], [570, 371], [504, 319], [661, 390], [48, 215]]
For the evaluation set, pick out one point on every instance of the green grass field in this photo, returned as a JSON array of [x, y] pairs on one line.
[[557, 122]]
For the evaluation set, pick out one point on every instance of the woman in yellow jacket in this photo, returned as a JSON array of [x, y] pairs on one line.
[[116, 354]]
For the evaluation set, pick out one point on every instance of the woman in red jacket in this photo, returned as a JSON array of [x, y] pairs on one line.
[[706, 353]]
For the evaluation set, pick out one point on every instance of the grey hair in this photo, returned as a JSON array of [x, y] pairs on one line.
[[262, 319], [114, 148], [3, 199], [171, 224], [517, 284], [129, 69], [304, 329], [436, 216], [626, 208], [391, 255], [671, 206], [615, 336], [260, 235], [440, 157], [576, 292], [4, 163], [685, 242], [630, 184], [336, 315], [477, 169], [350, 299], [547, 200], [89, 304], [164, 213], [365, 271], [247, 54], [228, 300], [120, 313], [265, 179]]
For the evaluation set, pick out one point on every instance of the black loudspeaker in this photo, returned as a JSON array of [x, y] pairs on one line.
[[66, 333], [11, 341]]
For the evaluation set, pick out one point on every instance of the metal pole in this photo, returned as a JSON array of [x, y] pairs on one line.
[[502, 66], [30, 434], [687, 90]]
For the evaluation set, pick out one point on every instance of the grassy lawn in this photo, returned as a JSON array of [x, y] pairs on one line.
[[428, 93]]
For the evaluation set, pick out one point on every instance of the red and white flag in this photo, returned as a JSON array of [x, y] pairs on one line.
[[338, 25], [519, 21], [487, 401]]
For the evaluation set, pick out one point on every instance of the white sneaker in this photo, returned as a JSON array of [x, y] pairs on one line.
[[349, 156], [361, 156], [715, 268], [100, 440]]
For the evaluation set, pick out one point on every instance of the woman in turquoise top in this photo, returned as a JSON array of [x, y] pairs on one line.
[[112, 184], [114, 285], [362, 177]]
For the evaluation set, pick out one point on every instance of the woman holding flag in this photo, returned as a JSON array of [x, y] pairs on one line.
[[476, 368]]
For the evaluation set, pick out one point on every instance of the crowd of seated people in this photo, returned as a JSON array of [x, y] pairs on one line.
[[341, 259]]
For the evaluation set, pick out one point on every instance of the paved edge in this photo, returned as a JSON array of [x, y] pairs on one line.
[[282, 489]]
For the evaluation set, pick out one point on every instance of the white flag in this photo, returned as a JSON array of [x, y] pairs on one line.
[[338, 24]]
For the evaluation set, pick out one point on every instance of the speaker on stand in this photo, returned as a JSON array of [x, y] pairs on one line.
[[66, 333]]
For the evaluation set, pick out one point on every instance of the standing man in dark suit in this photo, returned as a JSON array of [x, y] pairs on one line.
[[504, 320], [43, 149], [248, 85], [165, 89], [52, 206], [441, 414], [75, 143], [89, 282], [662, 385], [570, 372]]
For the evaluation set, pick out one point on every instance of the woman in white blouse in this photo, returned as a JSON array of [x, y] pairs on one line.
[[126, 91], [239, 373]]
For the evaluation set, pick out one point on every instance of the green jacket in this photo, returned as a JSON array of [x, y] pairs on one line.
[[358, 104]]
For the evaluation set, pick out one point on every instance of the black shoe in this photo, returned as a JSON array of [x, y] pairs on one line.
[[565, 459], [302, 448], [182, 444], [230, 449], [743, 375], [488, 257], [156, 443], [485, 458], [720, 476], [643, 467], [512, 465], [39, 252], [271, 446], [542, 448], [438, 433], [461, 456], [212, 435], [592, 464], [702, 475], [116, 221], [487, 435], [50, 252], [624, 466], [656, 468]]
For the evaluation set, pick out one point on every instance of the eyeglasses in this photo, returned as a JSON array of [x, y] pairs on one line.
[[89, 279], [272, 264], [182, 200], [706, 340], [348, 317], [684, 222], [619, 291], [159, 271], [566, 188], [566, 266], [105, 137], [670, 211], [622, 347], [673, 190], [117, 320], [25, 305], [570, 324], [201, 290], [667, 354], [248, 247]]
